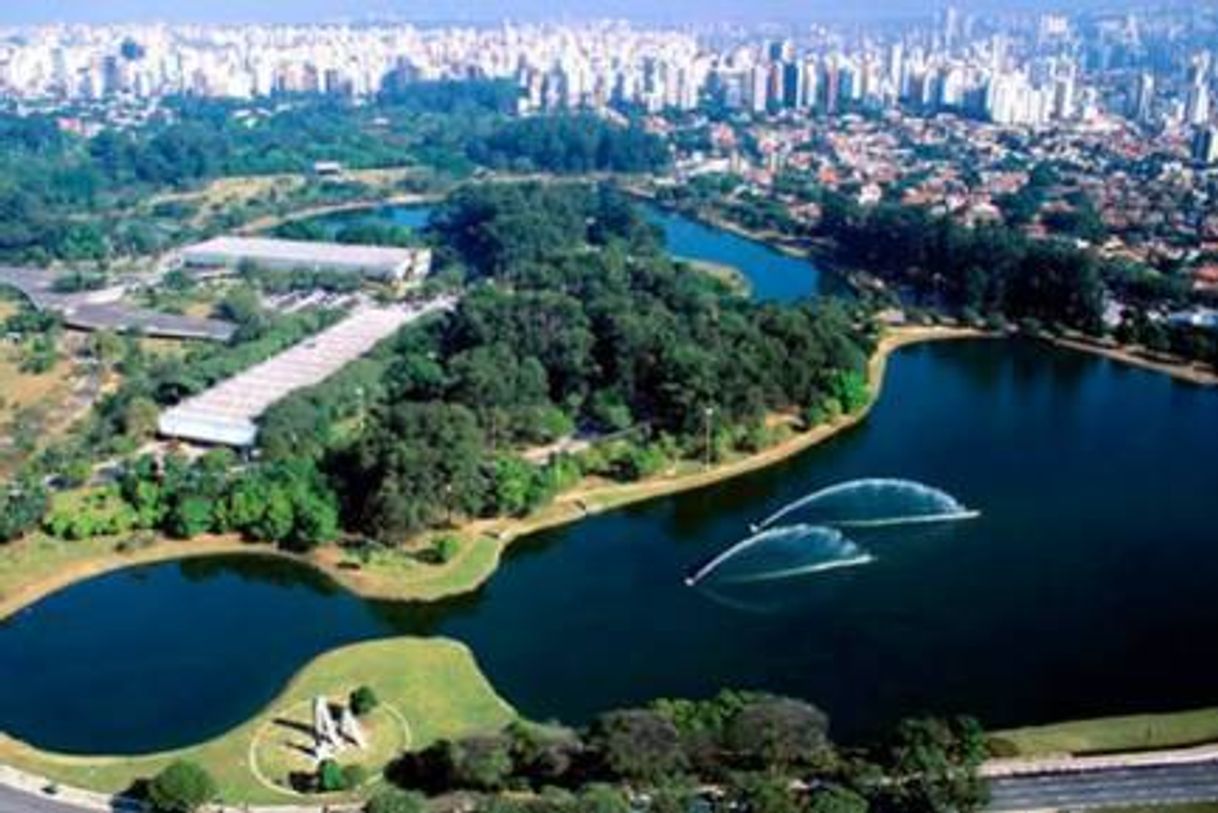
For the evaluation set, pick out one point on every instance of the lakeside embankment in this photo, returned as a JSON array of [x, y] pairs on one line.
[[1177, 368], [37, 566], [429, 689], [1110, 735], [268, 222], [821, 254], [445, 714]]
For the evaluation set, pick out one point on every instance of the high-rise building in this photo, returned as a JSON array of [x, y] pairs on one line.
[[792, 85], [1205, 146], [951, 27], [758, 88], [810, 83], [1197, 102], [782, 51], [1141, 102]]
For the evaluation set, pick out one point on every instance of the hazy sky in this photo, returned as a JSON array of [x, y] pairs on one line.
[[39, 11]]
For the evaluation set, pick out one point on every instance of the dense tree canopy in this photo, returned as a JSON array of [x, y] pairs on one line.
[[758, 752], [182, 787], [571, 143], [990, 269], [578, 320]]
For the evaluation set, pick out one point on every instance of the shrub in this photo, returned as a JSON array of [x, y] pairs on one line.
[[182, 787], [330, 777], [363, 700], [444, 549]]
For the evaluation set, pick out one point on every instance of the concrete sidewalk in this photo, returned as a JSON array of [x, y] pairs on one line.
[[1067, 763], [23, 787]]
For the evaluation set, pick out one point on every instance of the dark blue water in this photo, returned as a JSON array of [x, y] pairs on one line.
[[773, 276], [1085, 588], [152, 657]]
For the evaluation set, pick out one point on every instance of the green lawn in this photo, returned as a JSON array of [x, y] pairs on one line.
[[399, 574], [433, 684], [1108, 734]]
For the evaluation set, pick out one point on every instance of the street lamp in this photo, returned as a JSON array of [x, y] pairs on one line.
[[708, 413]]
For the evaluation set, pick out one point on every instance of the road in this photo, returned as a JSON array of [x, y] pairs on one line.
[[19, 801], [1146, 785]]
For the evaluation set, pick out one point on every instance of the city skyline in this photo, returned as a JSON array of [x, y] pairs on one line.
[[484, 11]]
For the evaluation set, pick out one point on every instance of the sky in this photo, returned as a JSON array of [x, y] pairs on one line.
[[22, 12]]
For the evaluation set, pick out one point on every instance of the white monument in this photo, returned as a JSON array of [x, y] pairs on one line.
[[326, 740], [331, 737], [351, 729]]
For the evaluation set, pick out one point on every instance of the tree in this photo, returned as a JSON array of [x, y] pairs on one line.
[[189, 517], [181, 787], [392, 800], [330, 777], [242, 306], [637, 744], [363, 700], [513, 486], [836, 799], [543, 755], [601, 798], [22, 507], [140, 418], [849, 387], [936, 762], [480, 763], [778, 732], [445, 548], [765, 793], [422, 460]]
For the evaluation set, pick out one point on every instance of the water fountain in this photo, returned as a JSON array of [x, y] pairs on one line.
[[815, 543], [779, 553], [872, 502]]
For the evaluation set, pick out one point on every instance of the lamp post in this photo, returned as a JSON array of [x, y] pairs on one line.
[[708, 413]]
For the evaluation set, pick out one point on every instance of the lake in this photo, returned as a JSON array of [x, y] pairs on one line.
[[772, 275], [1083, 588]]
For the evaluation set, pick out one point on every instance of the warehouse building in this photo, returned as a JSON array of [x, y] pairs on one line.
[[381, 263], [228, 413]]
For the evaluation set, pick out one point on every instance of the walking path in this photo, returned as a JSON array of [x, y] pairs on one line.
[[1066, 763], [22, 792]]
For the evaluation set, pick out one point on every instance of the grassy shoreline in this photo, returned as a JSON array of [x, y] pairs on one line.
[[404, 673], [476, 562], [466, 702], [1110, 735], [32, 568]]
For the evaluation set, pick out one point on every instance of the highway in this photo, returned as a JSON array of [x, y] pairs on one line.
[[1079, 790], [1146, 785]]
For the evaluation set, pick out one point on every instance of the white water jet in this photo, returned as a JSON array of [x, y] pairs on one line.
[[827, 546], [821, 567], [874, 502]]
